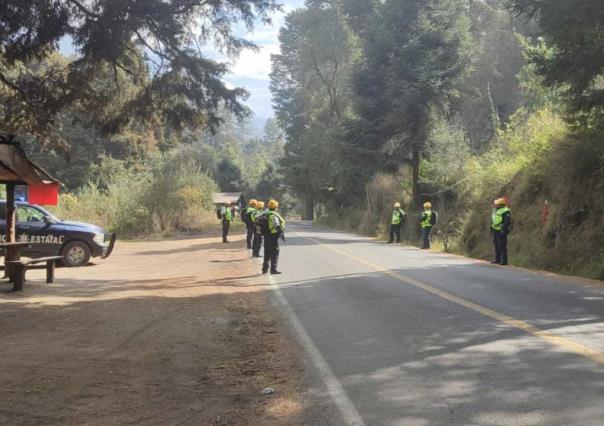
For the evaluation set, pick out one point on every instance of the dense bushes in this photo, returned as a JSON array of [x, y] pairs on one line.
[[569, 176], [538, 161], [161, 183], [512, 167], [166, 194]]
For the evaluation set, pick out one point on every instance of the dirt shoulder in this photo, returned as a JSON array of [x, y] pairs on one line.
[[163, 332]]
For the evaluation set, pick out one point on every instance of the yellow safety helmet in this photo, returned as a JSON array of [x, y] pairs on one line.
[[253, 203], [397, 205], [273, 204], [427, 205], [260, 205], [500, 202]]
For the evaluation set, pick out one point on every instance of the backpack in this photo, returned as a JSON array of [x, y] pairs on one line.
[[219, 213], [248, 218], [261, 223], [403, 217], [433, 218]]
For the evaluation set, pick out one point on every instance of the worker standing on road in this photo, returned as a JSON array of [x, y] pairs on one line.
[[247, 219], [274, 231], [399, 217], [257, 242], [427, 220], [227, 217], [501, 218]]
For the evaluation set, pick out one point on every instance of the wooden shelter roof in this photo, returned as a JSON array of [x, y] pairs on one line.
[[227, 197], [16, 168]]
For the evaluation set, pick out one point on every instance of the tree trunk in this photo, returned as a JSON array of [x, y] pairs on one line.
[[308, 207], [415, 160]]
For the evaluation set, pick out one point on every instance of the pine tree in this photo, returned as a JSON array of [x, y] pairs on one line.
[[415, 54], [575, 31], [155, 44]]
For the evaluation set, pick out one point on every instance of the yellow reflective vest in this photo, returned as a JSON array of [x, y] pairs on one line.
[[275, 220], [396, 216], [426, 219], [497, 218]]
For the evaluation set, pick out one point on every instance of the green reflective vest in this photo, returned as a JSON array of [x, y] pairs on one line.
[[250, 210], [426, 219], [272, 226], [497, 218], [396, 216], [227, 215]]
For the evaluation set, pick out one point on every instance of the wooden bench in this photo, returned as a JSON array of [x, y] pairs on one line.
[[19, 267]]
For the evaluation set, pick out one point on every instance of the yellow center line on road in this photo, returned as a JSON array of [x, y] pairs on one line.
[[561, 342]]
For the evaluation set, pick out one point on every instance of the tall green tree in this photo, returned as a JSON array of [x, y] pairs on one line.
[[155, 44], [415, 53], [311, 92], [490, 93], [271, 185], [273, 139], [228, 176], [575, 31]]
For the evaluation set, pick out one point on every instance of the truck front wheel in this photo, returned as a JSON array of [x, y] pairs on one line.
[[75, 253]]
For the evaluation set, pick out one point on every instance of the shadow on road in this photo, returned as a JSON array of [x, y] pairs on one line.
[[406, 356]]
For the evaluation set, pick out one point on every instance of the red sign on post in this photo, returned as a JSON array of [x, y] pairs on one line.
[[47, 194]]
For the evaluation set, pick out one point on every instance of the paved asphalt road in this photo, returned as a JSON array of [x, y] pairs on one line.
[[400, 336]]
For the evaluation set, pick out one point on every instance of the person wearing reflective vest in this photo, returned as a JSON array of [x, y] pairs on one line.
[[501, 218], [276, 226], [227, 217], [398, 219], [257, 242], [247, 219], [427, 220]]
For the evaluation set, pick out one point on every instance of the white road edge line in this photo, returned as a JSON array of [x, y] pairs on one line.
[[349, 413]]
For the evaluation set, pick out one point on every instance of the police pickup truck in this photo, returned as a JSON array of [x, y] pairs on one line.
[[49, 236]]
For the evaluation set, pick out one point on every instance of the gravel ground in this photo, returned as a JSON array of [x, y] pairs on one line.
[[165, 332]]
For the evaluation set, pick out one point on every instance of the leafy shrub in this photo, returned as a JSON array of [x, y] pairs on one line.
[[539, 160], [162, 197]]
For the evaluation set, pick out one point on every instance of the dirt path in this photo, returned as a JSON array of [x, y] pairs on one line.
[[170, 332]]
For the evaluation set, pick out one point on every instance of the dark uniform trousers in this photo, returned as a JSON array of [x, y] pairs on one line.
[[271, 252], [225, 230], [395, 230], [500, 240], [250, 233], [256, 244], [426, 237]]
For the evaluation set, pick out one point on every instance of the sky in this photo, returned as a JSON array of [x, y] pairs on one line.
[[251, 70]]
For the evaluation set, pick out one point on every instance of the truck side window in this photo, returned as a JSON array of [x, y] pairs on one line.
[[28, 214]]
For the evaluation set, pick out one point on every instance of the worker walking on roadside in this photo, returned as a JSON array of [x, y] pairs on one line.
[[275, 226], [247, 219], [257, 241], [427, 220], [399, 217], [227, 217], [501, 219]]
